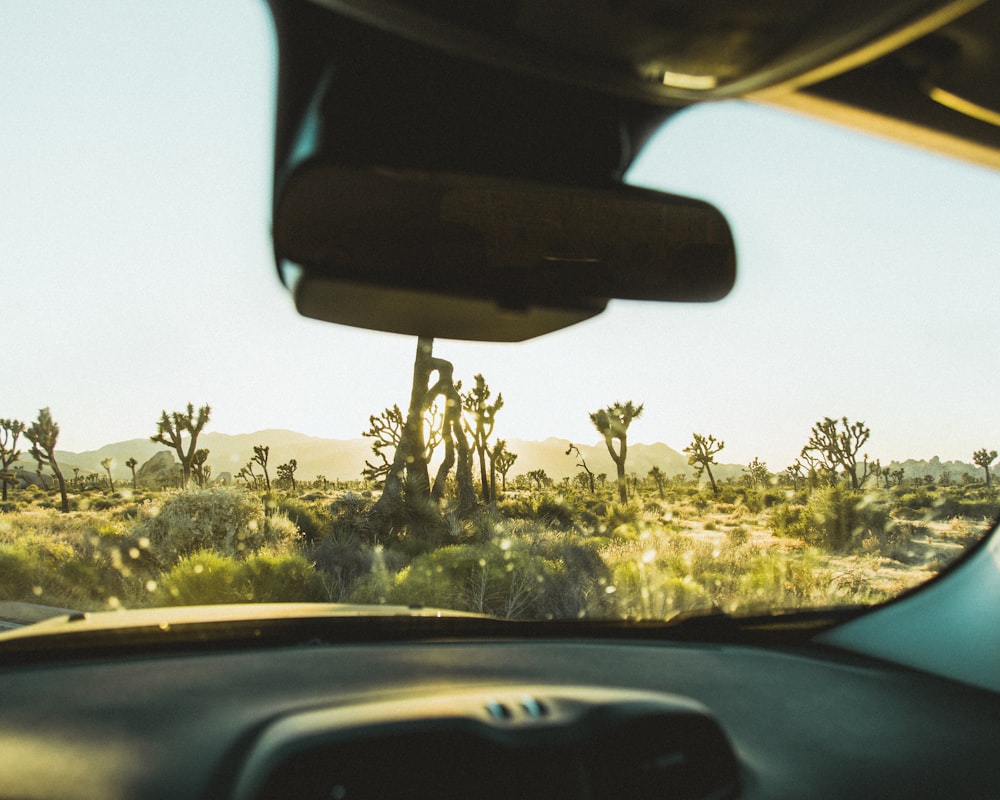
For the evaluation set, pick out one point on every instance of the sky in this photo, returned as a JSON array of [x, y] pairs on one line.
[[135, 157]]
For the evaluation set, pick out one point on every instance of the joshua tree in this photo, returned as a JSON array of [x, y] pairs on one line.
[[286, 473], [247, 474], [106, 463], [260, 454], [202, 471], [386, 429], [658, 476], [481, 417], [582, 464], [408, 498], [132, 464], [756, 474], [983, 458], [10, 430], [501, 460], [612, 423], [539, 478], [43, 433], [701, 455], [170, 431], [836, 443]]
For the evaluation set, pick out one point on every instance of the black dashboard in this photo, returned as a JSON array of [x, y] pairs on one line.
[[513, 718]]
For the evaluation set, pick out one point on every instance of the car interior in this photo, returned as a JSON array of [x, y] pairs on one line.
[[457, 170]]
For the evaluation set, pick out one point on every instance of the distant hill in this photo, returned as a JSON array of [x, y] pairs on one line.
[[344, 459], [334, 458], [936, 468]]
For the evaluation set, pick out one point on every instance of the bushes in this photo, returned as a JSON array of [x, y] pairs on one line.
[[207, 578], [230, 522], [492, 579], [556, 511], [308, 519], [834, 518], [54, 573]]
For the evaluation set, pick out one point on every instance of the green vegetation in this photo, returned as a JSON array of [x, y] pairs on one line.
[[833, 528], [536, 552]]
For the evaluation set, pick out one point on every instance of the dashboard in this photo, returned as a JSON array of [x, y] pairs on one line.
[[512, 718]]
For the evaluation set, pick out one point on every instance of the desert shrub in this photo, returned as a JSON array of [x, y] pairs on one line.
[[644, 593], [342, 559], [308, 519], [207, 578], [486, 524], [350, 505], [973, 505], [729, 494], [519, 506], [620, 514], [775, 578], [555, 511], [577, 585], [488, 579], [596, 507], [24, 572], [895, 541], [738, 536], [834, 518], [231, 522], [56, 573]]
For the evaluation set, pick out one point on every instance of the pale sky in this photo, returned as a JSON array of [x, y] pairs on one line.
[[135, 147]]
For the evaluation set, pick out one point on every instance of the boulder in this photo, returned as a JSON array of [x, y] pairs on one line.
[[160, 472]]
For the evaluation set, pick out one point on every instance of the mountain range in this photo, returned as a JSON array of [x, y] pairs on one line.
[[343, 459]]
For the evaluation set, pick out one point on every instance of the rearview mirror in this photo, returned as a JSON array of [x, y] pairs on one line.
[[421, 193], [468, 257]]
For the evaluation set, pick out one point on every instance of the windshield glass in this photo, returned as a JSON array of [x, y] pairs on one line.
[[172, 432]]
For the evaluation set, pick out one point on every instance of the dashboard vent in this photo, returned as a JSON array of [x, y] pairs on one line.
[[510, 742]]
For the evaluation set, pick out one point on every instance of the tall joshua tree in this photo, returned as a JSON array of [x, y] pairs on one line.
[[171, 428], [479, 425], [612, 423], [835, 444], [43, 433], [701, 455], [658, 476], [260, 454], [132, 464], [408, 497], [983, 458], [106, 463], [501, 460], [10, 430]]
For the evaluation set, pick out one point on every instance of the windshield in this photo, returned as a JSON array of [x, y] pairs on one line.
[[172, 432]]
